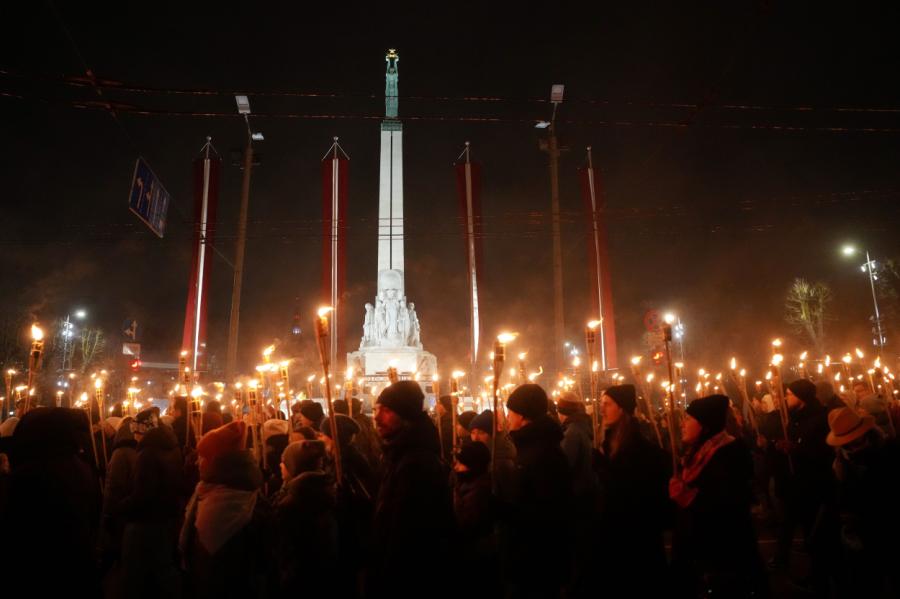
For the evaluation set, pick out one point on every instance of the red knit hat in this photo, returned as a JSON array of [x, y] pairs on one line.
[[222, 440]]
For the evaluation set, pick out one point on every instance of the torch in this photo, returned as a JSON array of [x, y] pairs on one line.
[[238, 401], [284, 374], [99, 396], [740, 381], [436, 389], [8, 378], [523, 375], [590, 339], [778, 392], [324, 350], [34, 358], [667, 337], [309, 388], [454, 399], [348, 390], [184, 370], [392, 375]]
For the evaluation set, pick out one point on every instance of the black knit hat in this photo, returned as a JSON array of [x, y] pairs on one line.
[[346, 426], [711, 412], [474, 456], [528, 400], [465, 419], [340, 406], [805, 390], [625, 397], [312, 410], [483, 422], [403, 397]]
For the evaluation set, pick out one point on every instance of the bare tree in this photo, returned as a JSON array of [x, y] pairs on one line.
[[93, 343], [807, 310]]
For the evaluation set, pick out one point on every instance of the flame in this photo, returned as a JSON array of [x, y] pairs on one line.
[[435, 378], [636, 360], [576, 361], [592, 325], [650, 377], [36, 332], [595, 366], [268, 351], [324, 311], [743, 372], [507, 337], [253, 384], [98, 383], [859, 353], [803, 355], [769, 376], [522, 355], [827, 360], [734, 363], [776, 342], [847, 359], [777, 359], [458, 374], [284, 363]]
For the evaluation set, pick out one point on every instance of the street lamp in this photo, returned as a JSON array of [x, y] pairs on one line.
[[869, 268]]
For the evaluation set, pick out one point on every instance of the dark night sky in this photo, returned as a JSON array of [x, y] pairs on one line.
[[712, 219]]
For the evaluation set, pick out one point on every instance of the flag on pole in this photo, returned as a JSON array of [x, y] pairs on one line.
[[206, 199], [334, 240], [468, 185], [601, 279]]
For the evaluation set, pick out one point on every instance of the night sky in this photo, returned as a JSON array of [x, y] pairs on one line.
[[728, 167]]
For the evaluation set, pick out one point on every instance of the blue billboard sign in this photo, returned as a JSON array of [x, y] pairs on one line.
[[148, 199]]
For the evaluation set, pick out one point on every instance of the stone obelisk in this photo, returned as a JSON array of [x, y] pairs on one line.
[[391, 333]]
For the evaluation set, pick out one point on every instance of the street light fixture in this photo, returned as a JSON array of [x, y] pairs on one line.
[[869, 267]]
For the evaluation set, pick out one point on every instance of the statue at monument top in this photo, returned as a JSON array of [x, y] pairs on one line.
[[391, 99]]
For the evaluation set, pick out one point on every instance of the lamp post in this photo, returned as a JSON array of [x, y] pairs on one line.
[[869, 268]]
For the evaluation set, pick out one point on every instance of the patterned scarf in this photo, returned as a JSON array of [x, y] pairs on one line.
[[692, 469]]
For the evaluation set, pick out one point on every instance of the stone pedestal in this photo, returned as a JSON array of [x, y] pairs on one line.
[[375, 361]]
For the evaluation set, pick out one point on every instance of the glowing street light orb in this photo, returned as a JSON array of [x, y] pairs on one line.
[[848, 250], [36, 332]]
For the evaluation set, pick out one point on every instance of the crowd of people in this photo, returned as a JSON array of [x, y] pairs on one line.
[[535, 501]]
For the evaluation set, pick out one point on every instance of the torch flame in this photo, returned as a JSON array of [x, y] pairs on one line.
[[268, 351], [522, 355], [458, 374], [636, 360], [323, 311], [859, 353], [592, 325], [803, 355], [777, 359], [734, 363], [36, 332], [507, 337], [743, 372], [98, 383], [776, 342], [847, 359]]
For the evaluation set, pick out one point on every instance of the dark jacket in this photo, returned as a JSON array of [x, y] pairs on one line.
[[242, 566], [413, 519], [537, 545], [306, 529], [634, 510], [158, 479], [714, 542], [813, 479], [119, 485], [578, 444]]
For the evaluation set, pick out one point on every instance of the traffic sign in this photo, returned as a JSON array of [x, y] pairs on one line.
[[148, 199]]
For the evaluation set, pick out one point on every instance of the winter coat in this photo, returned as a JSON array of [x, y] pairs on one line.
[[367, 442], [306, 533], [505, 467], [53, 506], [536, 548], [634, 510], [476, 549], [447, 438], [158, 487], [577, 444], [813, 481], [224, 542], [714, 542], [119, 485], [413, 519]]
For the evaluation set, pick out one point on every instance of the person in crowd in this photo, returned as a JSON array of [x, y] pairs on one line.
[[866, 466], [356, 494], [504, 463], [212, 416], [714, 547], [874, 405], [578, 445], [413, 519], [305, 524], [827, 397], [153, 510], [118, 485], [366, 439], [634, 506], [224, 542], [311, 414], [476, 539], [181, 423], [537, 551], [275, 438], [52, 507], [810, 491], [463, 422], [443, 408]]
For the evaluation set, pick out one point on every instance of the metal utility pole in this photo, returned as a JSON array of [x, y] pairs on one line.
[[234, 321], [552, 148], [870, 268]]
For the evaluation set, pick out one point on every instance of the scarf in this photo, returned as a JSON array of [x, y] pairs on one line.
[[685, 493], [217, 513]]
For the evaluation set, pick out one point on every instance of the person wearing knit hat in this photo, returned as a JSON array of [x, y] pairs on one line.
[[464, 421], [346, 429], [311, 414], [714, 543], [803, 390], [301, 456], [482, 427], [413, 520], [474, 458], [475, 520], [625, 396], [220, 442], [526, 403], [542, 495], [570, 403]]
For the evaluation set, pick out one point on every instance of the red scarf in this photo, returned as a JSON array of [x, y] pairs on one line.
[[691, 469]]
